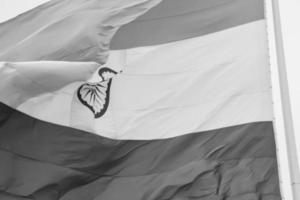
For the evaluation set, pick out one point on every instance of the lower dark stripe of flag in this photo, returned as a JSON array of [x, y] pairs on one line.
[[44, 161]]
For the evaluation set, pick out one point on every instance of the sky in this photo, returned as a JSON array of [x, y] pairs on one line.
[[290, 17]]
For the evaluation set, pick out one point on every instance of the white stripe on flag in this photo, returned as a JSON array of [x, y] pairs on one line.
[[203, 83]]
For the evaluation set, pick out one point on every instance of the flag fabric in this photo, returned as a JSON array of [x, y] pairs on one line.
[[137, 100], [64, 30]]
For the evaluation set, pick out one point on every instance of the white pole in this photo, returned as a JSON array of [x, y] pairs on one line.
[[286, 106]]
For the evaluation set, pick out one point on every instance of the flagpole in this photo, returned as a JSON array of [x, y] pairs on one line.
[[286, 106]]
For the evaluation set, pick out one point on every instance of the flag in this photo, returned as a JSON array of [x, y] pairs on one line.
[[137, 100]]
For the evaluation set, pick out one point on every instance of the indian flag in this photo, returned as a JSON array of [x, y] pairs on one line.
[[137, 100]]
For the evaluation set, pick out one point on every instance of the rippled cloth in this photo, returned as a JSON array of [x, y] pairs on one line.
[[77, 30]]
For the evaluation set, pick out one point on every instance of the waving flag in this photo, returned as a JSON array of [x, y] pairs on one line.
[[137, 100]]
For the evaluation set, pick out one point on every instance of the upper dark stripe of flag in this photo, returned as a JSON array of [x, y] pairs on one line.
[[84, 157], [174, 20]]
